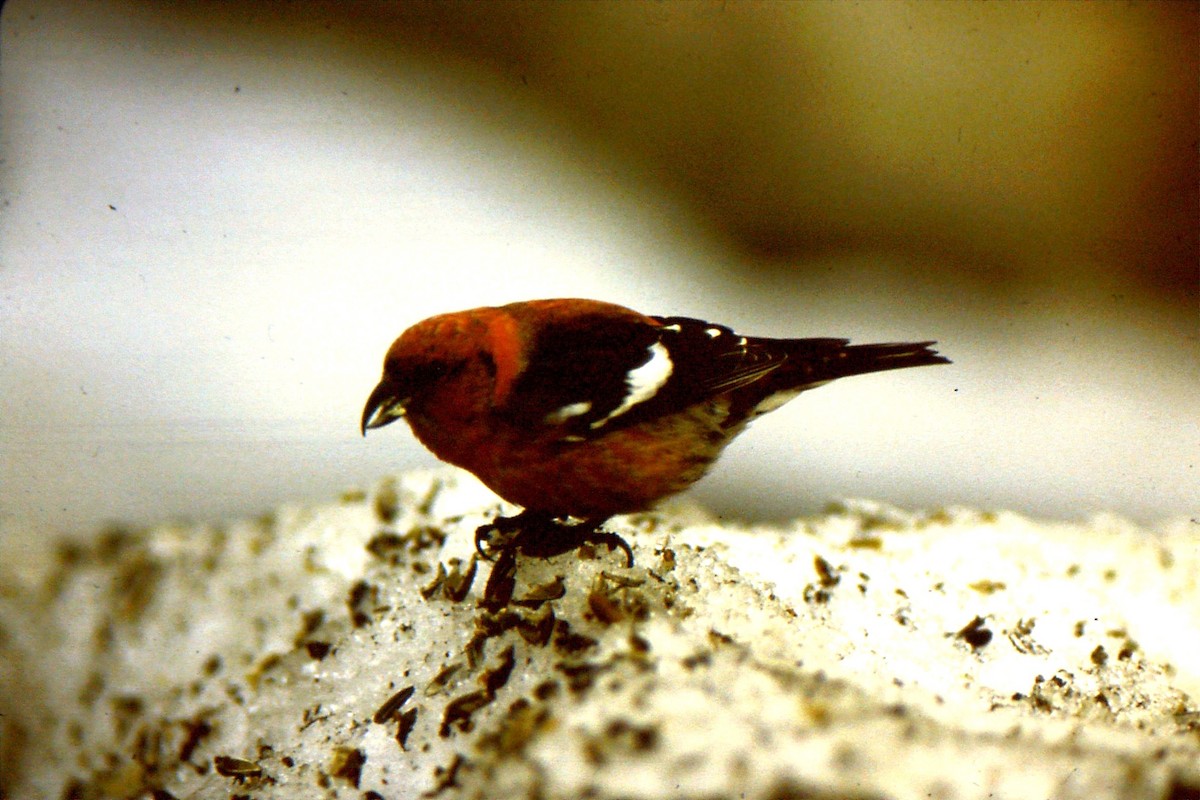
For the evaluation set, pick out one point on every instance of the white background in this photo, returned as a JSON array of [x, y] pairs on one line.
[[209, 237]]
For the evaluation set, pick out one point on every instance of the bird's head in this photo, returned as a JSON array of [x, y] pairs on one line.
[[417, 367]]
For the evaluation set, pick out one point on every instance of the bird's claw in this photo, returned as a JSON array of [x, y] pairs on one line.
[[508, 533], [538, 535]]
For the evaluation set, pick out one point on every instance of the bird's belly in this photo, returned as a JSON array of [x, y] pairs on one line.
[[624, 471]]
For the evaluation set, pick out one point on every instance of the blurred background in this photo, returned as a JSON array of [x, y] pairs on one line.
[[215, 217]]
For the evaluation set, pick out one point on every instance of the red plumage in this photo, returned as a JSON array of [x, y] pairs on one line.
[[586, 409]]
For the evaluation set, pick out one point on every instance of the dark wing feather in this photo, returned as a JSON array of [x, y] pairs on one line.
[[587, 359], [712, 359], [579, 368], [583, 359]]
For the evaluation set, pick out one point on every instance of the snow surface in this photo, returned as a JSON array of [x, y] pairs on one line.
[[868, 653]]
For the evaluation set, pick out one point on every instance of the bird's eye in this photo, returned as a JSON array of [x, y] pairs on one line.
[[434, 371]]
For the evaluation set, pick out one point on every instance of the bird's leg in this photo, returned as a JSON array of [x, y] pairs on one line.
[[542, 535], [505, 533], [539, 535], [561, 538]]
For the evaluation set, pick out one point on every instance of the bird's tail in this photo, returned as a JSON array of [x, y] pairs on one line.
[[857, 359], [826, 360], [809, 363]]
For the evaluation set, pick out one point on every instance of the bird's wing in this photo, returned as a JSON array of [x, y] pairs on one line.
[[592, 374], [579, 371], [712, 359]]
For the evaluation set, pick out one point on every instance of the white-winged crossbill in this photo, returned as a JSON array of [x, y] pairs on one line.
[[579, 408]]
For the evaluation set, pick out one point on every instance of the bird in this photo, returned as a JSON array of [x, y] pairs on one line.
[[582, 409]]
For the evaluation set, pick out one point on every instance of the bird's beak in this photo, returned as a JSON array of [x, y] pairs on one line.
[[384, 406]]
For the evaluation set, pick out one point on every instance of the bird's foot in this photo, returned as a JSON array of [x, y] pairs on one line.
[[504, 533], [539, 535]]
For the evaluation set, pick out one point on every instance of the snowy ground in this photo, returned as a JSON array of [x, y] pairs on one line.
[[342, 651]]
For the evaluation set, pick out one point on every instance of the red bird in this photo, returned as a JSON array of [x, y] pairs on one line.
[[579, 408]]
